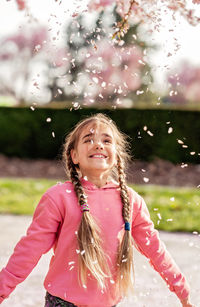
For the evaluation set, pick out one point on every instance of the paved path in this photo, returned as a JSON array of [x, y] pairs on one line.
[[150, 291]]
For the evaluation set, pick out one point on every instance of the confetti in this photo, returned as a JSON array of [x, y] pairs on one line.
[[124, 260], [150, 133], [96, 80], [170, 130], [159, 216], [148, 241], [180, 142], [183, 165], [139, 92]]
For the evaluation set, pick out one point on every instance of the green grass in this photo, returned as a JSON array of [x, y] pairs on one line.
[[20, 196], [179, 208]]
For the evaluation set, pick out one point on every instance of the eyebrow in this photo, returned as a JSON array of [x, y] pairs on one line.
[[87, 135], [91, 134], [108, 135]]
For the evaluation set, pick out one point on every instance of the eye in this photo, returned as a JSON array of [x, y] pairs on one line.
[[107, 141], [89, 141]]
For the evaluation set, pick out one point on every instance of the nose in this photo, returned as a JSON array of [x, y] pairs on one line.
[[98, 145]]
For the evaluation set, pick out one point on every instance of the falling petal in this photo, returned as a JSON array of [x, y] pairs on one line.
[[170, 130], [150, 133], [159, 216]]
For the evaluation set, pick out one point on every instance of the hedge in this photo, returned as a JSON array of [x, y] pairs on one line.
[[27, 133]]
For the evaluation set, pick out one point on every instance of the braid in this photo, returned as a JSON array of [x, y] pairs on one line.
[[125, 253], [75, 180], [91, 256], [123, 192]]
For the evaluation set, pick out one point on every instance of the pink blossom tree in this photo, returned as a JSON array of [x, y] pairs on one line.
[[184, 84], [17, 53], [144, 10], [114, 71], [100, 70], [21, 55]]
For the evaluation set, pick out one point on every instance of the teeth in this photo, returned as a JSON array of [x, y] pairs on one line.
[[98, 156]]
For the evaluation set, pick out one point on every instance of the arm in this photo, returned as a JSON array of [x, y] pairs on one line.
[[186, 303], [39, 239], [149, 244]]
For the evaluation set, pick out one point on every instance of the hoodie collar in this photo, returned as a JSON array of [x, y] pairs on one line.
[[91, 186]]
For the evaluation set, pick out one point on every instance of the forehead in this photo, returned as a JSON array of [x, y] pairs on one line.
[[97, 128]]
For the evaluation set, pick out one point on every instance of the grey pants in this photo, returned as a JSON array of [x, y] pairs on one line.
[[54, 301]]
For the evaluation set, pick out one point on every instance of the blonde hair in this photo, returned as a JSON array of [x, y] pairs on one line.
[[92, 257]]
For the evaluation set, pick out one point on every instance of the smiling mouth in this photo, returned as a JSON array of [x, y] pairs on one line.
[[99, 156]]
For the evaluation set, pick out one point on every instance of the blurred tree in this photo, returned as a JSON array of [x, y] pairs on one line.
[[184, 84], [102, 70], [27, 59], [17, 54], [145, 10]]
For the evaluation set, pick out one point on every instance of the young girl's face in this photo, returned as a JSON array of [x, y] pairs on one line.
[[95, 152]]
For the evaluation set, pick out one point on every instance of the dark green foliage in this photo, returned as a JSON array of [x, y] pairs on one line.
[[26, 133]]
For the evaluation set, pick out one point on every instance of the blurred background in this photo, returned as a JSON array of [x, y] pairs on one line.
[[57, 51]]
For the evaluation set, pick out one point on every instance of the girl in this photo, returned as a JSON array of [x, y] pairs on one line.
[[91, 222]]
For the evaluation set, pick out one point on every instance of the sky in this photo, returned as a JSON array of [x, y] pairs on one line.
[[55, 14]]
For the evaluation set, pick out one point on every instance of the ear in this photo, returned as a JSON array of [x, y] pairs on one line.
[[74, 156]]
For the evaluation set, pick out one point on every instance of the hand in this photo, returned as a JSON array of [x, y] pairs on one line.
[[186, 303]]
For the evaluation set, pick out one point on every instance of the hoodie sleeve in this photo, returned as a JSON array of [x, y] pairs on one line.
[[39, 239], [149, 244]]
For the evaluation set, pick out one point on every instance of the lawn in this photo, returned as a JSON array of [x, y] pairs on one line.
[[171, 209]]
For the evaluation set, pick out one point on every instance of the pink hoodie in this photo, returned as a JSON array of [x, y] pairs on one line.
[[55, 223]]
